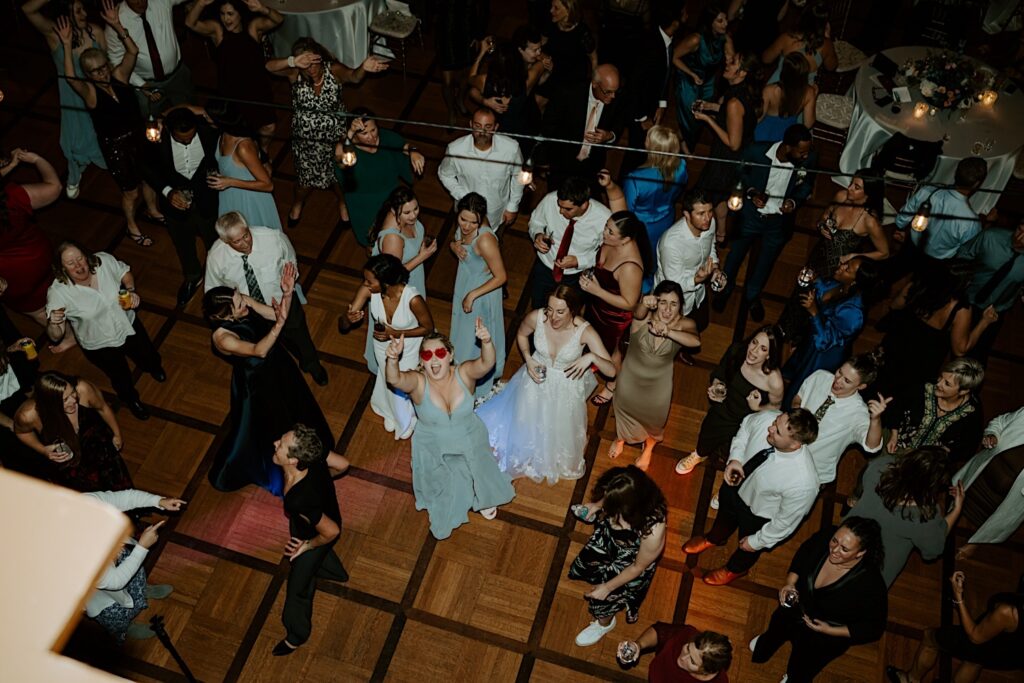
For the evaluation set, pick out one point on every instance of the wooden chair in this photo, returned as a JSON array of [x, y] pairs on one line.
[[397, 23]]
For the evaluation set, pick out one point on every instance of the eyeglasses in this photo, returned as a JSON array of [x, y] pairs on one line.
[[427, 354]]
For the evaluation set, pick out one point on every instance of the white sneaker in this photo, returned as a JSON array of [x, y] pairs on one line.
[[753, 643], [72, 191], [785, 677], [593, 633], [689, 463], [714, 502]]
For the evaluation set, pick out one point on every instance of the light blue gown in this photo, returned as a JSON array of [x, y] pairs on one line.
[[77, 135], [417, 277], [471, 274], [453, 469], [257, 207]]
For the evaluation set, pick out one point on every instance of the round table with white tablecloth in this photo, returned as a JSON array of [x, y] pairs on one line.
[[992, 132], [339, 25]]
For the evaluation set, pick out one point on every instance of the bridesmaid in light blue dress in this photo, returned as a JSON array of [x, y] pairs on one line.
[[398, 231], [244, 183], [77, 135], [478, 283]]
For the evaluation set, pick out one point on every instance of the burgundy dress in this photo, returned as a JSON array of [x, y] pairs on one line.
[[25, 253], [242, 75], [97, 466], [610, 322]]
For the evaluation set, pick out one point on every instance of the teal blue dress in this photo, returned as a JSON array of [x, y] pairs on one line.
[[706, 62], [453, 468], [257, 207], [417, 277], [77, 135], [471, 274]]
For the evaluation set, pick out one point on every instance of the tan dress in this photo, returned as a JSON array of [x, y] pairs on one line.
[[643, 392]]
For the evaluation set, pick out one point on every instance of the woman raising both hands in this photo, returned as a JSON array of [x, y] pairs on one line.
[[453, 470]]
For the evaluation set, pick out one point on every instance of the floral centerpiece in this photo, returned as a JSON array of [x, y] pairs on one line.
[[947, 80]]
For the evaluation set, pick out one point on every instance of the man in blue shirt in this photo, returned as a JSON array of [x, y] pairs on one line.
[[952, 222]]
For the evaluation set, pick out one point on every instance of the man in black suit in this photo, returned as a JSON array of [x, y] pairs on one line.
[[590, 113], [646, 83], [177, 170], [777, 181]]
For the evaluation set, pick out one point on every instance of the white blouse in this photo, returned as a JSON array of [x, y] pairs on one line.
[[95, 315]]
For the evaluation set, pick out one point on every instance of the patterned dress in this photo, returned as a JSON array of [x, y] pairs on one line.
[[608, 552], [117, 618], [316, 127], [97, 464]]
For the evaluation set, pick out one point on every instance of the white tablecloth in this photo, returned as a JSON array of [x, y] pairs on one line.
[[873, 125], [338, 25]]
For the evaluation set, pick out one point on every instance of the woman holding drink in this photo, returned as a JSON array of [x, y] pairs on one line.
[[86, 295], [834, 597], [68, 422]]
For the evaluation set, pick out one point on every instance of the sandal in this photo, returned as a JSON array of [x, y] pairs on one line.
[[139, 239], [583, 513], [600, 399], [489, 513]]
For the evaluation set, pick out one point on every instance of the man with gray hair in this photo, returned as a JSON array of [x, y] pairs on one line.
[[250, 259]]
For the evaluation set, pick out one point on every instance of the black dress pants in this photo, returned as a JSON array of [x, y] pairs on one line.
[[811, 652], [184, 228], [297, 615], [295, 337], [734, 514], [542, 282], [113, 361]]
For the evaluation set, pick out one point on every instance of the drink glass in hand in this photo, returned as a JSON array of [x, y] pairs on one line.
[[542, 372], [718, 390], [378, 326], [718, 281], [805, 277], [547, 238], [697, 106], [628, 652], [187, 196], [791, 599]]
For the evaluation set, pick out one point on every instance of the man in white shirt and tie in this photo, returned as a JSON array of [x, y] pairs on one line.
[[687, 256], [843, 416], [770, 485], [159, 69], [487, 163], [567, 228], [250, 259]]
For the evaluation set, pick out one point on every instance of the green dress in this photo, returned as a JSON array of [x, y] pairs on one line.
[[453, 468], [371, 180]]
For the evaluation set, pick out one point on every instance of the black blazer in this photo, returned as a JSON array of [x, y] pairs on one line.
[[566, 118], [647, 81], [160, 173]]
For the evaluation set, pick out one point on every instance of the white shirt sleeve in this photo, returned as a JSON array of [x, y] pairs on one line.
[[738, 447], [118, 576], [670, 257], [515, 192], [116, 52], [448, 174], [214, 273], [538, 219], [794, 506], [128, 499], [861, 430]]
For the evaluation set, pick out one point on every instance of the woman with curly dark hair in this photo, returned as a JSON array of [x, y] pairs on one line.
[[836, 578], [812, 38], [905, 495], [628, 511]]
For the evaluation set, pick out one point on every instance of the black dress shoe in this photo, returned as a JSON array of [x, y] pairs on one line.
[[186, 292], [756, 310], [719, 301], [159, 375], [293, 222], [140, 411], [282, 649], [319, 375]]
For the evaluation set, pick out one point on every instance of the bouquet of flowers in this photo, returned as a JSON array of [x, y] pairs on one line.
[[947, 80]]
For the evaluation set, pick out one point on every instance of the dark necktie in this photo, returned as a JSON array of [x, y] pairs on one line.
[[154, 53], [820, 412], [997, 278], [563, 249], [755, 462], [250, 280]]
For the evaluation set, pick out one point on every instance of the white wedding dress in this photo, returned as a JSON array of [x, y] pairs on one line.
[[540, 430]]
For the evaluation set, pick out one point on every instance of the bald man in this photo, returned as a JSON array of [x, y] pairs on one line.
[[590, 115]]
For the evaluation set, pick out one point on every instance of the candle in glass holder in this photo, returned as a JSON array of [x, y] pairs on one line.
[[989, 97], [920, 109], [932, 111]]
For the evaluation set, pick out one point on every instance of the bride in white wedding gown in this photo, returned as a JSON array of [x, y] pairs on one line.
[[537, 423]]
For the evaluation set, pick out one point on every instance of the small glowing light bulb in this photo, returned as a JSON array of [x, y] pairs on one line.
[[735, 202], [153, 130], [920, 221]]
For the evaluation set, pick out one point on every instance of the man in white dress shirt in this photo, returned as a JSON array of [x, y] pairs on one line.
[[486, 163], [843, 416], [251, 259], [567, 227], [159, 68], [770, 485], [687, 256]]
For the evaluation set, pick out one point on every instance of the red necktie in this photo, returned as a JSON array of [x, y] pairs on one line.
[[563, 249], [154, 53]]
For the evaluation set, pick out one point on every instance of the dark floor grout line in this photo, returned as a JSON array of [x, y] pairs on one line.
[[359, 597], [252, 633], [380, 479], [466, 630], [222, 553], [131, 664], [575, 664]]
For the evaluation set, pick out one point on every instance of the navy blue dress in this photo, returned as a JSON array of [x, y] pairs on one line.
[[268, 396]]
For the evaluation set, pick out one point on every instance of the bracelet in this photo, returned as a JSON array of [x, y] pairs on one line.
[[957, 602], [291, 61]]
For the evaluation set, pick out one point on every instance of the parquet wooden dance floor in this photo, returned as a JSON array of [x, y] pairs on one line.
[[491, 603]]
